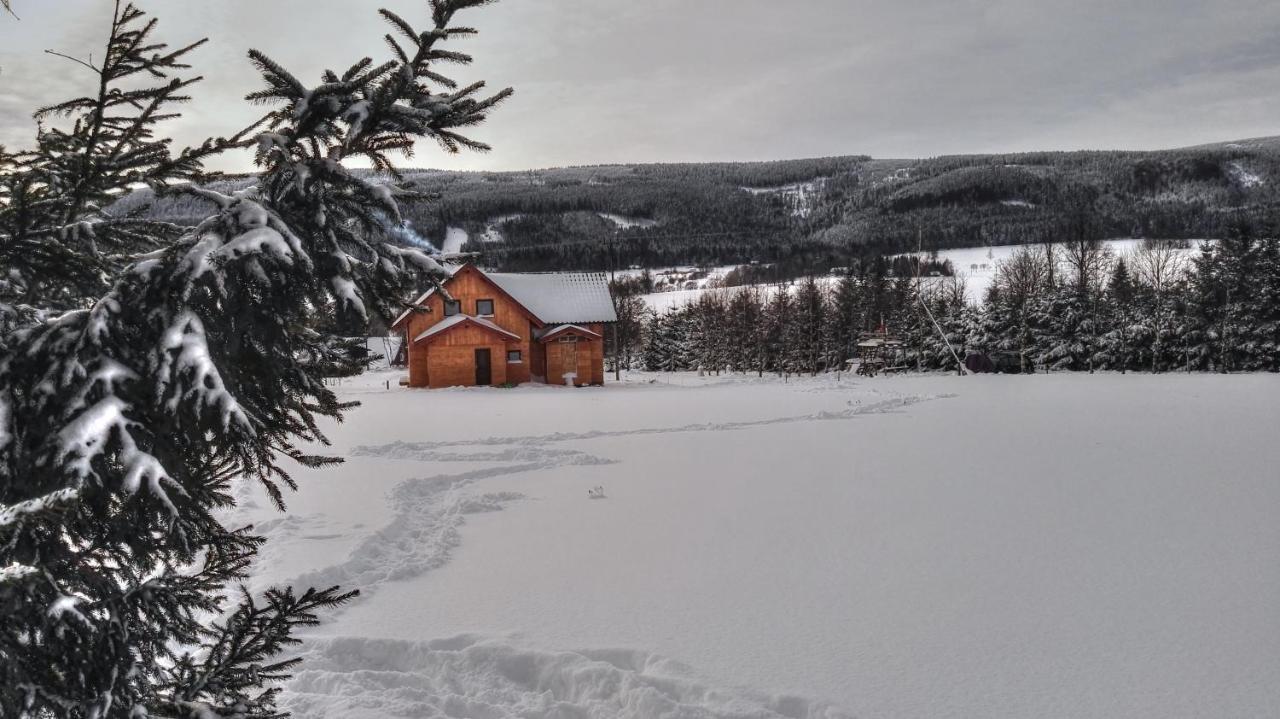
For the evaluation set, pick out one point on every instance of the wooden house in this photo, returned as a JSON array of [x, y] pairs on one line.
[[508, 328]]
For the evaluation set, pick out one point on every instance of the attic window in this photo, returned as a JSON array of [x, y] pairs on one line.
[[484, 308], [452, 307]]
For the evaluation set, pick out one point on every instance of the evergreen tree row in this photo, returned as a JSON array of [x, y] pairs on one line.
[[1071, 306]]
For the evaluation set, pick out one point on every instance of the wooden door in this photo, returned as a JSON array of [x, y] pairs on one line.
[[569, 356], [484, 368]]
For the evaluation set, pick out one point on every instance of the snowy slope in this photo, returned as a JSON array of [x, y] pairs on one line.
[[977, 265], [493, 229], [1047, 546], [799, 196], [625, 222], [454, 239]]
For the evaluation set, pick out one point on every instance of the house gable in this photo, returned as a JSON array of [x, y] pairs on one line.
[[569, 330], [402, 321], [457, 322], [469, 275]]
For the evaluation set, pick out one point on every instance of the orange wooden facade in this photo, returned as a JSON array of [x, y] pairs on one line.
[[455, 356], [575, 352]]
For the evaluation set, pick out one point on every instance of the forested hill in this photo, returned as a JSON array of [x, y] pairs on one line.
[[816, 213]]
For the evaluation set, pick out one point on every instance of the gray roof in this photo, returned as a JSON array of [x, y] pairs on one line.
[[560, 297], [554, 297]]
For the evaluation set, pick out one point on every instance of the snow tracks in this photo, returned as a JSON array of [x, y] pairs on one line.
[[430, 510], [467, 676], [474, 677]]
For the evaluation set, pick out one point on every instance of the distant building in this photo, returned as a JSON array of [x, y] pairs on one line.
[[504, 328]]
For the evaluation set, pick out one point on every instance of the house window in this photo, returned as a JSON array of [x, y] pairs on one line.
[[514, 357], [484, 308], [570, 338], [452, 307]]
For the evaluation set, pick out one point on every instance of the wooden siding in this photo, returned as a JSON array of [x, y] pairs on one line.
[[589, 365], [455, 365]]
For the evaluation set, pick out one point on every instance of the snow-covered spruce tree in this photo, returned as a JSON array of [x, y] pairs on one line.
[[808, 326], [666, 343], [1116, 344], [709, 329], [778, 313], [745, 308], [123, 424], [60, 244], [847, 319], [1235, 323]]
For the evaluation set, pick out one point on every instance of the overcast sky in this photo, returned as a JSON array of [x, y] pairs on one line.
[[601, 81]]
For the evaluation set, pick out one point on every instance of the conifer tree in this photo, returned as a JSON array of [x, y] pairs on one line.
[[60, 240], [846, 319], [808, 327], [667, 344], [779, 353], [124, 422], [743, 331], [1117, 341]]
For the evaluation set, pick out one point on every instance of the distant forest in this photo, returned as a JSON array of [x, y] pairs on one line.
[[803, 216]]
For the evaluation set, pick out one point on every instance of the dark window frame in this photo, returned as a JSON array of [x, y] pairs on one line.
[[519, 357], [480, 313], [454, 305]]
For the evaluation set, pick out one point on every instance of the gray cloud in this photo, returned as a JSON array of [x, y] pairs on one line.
[[668, 80]]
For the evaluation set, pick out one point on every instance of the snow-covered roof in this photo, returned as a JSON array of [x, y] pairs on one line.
[[559, 297], [565, 329], [449, 323]]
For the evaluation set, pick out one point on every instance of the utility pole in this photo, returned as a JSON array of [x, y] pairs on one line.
[[617, 326]]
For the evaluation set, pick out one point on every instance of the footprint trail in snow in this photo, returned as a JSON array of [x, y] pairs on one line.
[[467, 676]]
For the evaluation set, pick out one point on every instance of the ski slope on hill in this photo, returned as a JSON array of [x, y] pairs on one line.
[[931, 546]]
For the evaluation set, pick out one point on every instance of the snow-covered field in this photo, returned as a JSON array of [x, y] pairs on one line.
[[976, 266], [922, 546]]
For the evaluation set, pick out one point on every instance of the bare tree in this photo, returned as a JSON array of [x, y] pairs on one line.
[[1090, 262], [1027, 274], [625, 332], [948, 291], [1050, 265], [1159, 264]]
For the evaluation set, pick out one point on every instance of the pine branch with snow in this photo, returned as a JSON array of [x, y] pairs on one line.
[[124, 420], [60, 240]]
